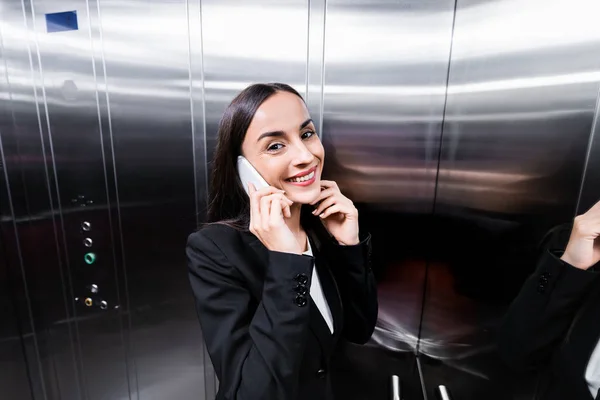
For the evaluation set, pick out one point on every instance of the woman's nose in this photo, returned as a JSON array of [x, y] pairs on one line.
[[303, 155]]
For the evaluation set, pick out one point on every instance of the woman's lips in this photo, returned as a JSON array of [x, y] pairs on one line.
[[305, 180]]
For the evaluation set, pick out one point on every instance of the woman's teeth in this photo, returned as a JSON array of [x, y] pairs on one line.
[[303, 178]]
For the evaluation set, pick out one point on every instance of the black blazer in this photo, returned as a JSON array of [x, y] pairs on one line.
[[265, 336], [553, 325]]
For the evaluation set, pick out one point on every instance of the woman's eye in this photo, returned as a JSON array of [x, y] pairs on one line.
[[307, 134], [275, 147]]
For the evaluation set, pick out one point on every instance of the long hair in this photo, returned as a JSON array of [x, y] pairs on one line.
[[228, 203]]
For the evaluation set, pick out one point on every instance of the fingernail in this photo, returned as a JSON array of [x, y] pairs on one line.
[[314, 212], [322, 215]]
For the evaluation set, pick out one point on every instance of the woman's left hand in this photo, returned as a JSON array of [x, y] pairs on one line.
[[338, 214]]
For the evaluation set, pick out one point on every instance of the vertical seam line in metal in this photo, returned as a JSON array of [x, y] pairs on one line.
[[117, 199], [421, 377], [49, 196], [433, 209], [192, 120], [20, 256], [58, 202], [307, 53], [588, 152], [203, 94], [437, 176], [124, 343], [4, 166], [322, 103]]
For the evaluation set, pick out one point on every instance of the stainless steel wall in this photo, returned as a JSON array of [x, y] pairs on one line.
[[462, 130], [100, 131], [386, 67], [521, 97]]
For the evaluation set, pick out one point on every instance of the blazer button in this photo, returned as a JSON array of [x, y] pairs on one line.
[[321, 373], [542, 288], [301, 279], [301, 289], [300, 301]]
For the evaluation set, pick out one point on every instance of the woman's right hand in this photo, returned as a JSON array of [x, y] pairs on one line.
[[583, 249], [268, 206]]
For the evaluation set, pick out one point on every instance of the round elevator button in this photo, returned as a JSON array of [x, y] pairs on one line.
[[90, 258]]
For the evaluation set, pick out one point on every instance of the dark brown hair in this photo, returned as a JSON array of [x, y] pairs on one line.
[[227, 201]]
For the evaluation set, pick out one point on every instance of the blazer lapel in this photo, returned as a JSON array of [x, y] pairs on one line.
[[332, 296]]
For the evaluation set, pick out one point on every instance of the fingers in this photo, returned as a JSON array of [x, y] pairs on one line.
[[275, 215], [331, 210], [328, 202], [265, 211], [262, 208], [287, 212], [323, 195], [329, 184]]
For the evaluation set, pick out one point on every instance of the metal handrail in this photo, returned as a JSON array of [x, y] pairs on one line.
[[442, 393], [396, 388]]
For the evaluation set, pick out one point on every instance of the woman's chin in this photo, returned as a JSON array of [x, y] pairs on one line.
[[306, 196]]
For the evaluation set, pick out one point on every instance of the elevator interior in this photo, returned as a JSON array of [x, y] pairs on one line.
[[463, 130]]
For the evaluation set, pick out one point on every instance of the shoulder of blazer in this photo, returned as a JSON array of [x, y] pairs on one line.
[[223, 236]]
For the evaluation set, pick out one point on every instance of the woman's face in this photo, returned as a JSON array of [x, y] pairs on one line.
[[282, 144]]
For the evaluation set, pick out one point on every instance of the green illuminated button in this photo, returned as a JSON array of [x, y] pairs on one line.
[[89, 258]]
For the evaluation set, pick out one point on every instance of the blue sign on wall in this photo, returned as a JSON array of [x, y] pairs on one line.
[[62, 21]]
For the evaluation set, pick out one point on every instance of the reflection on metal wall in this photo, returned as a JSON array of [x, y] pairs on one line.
[[460, 129], [521, 98], [590, 189], [386, 66]]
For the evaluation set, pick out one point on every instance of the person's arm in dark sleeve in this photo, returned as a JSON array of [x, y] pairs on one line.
[[540, 316], [351, 267], [255, 355]]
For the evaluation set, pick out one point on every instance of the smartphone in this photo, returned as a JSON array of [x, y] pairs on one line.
[[248, 174]]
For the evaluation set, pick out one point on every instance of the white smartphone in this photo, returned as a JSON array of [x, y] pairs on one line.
[[248, 174]]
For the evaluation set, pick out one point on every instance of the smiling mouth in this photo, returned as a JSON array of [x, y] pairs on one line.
[[304, 178]]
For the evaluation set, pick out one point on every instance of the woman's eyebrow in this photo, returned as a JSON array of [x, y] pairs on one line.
[[281, 133]]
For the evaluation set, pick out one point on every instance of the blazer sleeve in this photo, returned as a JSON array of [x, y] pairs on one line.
[[256, 351], [351, 267], [541, 314]]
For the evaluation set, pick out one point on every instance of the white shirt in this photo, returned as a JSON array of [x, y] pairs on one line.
[[592, 373], [316, 292]]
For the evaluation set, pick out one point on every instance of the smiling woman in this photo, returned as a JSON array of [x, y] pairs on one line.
[[280, 274]]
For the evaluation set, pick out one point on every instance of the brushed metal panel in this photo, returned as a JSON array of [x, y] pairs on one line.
[[150, 56], [385, 74], [40, 295], [249, 42], [521, 98], [386, 67], [590, 185], [315, 63], [78, 182], [15, 378]]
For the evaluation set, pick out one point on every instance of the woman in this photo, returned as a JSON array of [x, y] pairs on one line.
[[282, 274], [554, 323]]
